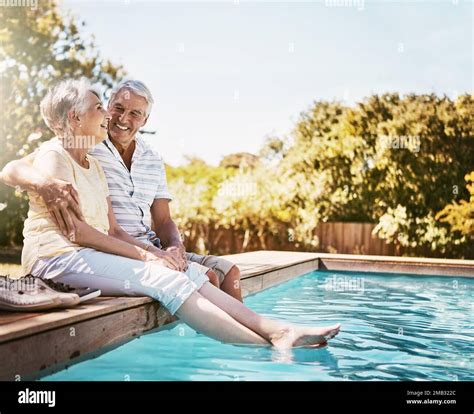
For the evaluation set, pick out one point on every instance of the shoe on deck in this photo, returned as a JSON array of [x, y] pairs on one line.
[[68, 299], [84, 293], [23, 295]]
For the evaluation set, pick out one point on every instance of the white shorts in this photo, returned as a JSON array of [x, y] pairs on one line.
[[121, 276]]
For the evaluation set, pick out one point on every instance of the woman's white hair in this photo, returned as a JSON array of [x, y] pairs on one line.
[[66, 96], [138, 88]]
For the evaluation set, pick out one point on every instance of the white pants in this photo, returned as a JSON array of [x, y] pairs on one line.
[[121, 276]]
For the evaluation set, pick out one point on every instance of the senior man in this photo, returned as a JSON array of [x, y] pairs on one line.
[[137, 183]]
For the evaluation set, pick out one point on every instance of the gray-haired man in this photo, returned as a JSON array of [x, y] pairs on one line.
[[137, 184]]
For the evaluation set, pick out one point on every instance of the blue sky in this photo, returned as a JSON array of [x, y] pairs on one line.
[[225, 75]]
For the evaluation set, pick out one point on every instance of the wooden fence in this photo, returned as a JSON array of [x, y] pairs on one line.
[[336, 237], [352, 238]]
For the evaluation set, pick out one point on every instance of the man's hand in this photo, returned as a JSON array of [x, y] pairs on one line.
[[179, 252], [172, 260], [62, 200], [151, 257]]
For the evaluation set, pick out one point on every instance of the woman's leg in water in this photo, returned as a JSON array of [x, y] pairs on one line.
[[121, 276], [217, 315], [206, 318], [280, 334]]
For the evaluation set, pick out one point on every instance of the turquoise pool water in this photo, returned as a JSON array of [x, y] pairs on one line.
[[393, 328]]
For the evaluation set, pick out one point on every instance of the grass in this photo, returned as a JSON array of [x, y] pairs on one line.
[[10, 269], [10, 259]]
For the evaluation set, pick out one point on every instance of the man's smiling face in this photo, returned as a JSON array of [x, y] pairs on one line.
[[129, 113]]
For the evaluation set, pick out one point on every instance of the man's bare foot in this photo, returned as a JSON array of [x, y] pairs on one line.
[[300, 336]]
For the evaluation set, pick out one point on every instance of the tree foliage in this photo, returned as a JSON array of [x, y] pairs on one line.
[[37, 47], [390, 160], [460, 215]]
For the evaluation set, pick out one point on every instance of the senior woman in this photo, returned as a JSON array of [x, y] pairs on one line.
[[105, 257]]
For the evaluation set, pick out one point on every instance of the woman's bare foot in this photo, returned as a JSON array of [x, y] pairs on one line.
[[300, 336]]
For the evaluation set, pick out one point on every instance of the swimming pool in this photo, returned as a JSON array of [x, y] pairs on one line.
[[394, 327]]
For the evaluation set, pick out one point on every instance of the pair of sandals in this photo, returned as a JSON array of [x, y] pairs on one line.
[[30, 293]]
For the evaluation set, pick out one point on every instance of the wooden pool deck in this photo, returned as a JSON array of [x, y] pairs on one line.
[[36, 344]]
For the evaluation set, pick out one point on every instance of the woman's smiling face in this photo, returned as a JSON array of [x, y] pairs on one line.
[[94, 121]]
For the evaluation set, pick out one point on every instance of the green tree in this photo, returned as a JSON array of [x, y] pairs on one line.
[[460, 216], [239, 159], [37, 48], [194, 187], [390, 160]]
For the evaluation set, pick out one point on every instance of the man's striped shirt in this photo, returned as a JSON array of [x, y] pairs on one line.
[[132, 192]]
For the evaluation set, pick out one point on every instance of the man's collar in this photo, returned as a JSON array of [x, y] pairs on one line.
[[139, 146]]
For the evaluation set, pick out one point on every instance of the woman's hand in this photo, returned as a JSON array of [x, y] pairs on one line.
[[167, 259], [62, 202]]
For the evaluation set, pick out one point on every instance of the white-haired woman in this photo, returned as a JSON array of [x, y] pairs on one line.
[[102, 256]]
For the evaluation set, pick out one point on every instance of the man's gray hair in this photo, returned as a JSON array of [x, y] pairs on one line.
[[138, 88], [67, 95]]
